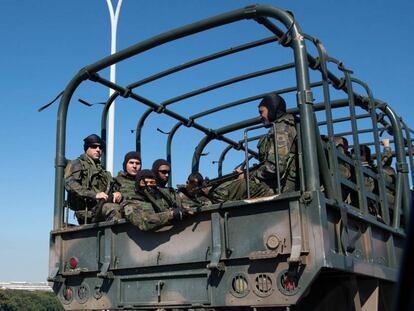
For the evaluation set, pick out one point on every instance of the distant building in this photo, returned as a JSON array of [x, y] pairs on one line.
[[40, 286]]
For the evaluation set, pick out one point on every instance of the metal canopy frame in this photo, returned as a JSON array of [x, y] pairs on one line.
[[293, 38]]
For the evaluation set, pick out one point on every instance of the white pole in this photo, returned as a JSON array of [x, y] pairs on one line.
[[111, 115]]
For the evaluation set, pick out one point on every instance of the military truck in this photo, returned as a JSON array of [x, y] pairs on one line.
[[310, 249]]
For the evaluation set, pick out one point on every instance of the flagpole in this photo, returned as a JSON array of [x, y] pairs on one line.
[[114, 16]]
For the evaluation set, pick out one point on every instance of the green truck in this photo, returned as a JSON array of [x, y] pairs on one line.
[[317, 248]]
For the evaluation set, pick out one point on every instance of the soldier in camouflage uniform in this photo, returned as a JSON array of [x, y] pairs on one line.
[[151, 207], [193, 193], [161, 169], [263, 180], [366, 161], [88, 185], [389, 171], [341, 144], [369, 182], [126, 178]]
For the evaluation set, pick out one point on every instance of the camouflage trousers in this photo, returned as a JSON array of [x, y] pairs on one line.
[[110, 211], [237, 190]]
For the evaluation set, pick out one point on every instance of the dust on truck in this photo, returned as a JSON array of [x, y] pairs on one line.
[[299, 249]]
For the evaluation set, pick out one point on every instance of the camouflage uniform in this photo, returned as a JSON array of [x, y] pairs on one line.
[[285, 138], [192, 201], [345, 170], [263, 181], [127, 185], [389, 174], [369, 182], [84, 178], [147, 215]]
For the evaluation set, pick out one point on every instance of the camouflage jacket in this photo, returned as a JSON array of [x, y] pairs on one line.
[[192, 201], [389, 171], [127, 185], [84, 178], [286, 137], [344, 167], [147, 214], [386, 158], [368, 180]]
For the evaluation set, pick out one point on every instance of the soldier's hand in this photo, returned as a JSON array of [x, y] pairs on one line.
[[240, 172], [117, 197], [187, 210], [179, 213], [101, 196], [205, 190], [385, 142]]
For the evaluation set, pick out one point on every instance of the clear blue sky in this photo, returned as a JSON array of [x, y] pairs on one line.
[[44, 43]]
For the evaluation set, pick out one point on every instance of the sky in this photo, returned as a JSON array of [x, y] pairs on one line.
[[45, 43]]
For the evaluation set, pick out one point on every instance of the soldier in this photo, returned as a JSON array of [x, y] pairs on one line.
[[341, 144], [389, 171], [151, 207], [369, 182], [263, 180], [194, 193], [386, 161], [161, 169], [126, 178], [88, 185], [366, 161]]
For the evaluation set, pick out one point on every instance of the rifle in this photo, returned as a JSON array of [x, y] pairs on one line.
[[215, 182], [97, 210]]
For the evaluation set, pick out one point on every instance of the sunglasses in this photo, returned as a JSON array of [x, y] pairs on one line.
[[164, 172], [95, 147]]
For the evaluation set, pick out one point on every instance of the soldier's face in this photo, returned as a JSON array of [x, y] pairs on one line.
[[147, 182], [164, 172], [192, 185], [133, 166], [264, 114], [94, 152]]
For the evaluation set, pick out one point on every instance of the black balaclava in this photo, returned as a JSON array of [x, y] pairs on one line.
[[190, 188], [130, 155], [91, 140], [155, 166], [364, 153], [275, 104], [142, 174], [196, 176]]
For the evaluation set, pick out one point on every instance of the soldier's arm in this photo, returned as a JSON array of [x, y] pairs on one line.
[[172, 196], [386, 158], [73, 181]]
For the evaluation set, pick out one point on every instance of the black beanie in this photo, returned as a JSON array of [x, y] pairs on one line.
[[142, 174], [130, 155], [155, 166], [275, 104], [91, 140]]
